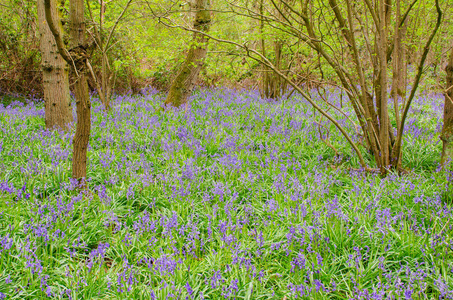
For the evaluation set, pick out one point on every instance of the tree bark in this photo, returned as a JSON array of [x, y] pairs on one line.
[[82, 134], [383, 111], [58, 112], [184, 82], [399, 72], [447, 130], [77, 58]]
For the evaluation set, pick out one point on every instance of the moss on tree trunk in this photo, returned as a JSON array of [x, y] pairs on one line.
[[183, 84]]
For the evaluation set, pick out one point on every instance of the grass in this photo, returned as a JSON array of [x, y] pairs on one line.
[[236, 198]]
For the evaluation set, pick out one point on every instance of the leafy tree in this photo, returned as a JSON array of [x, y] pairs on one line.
[[358, 58], [104, 37]]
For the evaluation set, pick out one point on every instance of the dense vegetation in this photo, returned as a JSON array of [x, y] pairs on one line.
[[146, 52], [230, 149], [236, 197]]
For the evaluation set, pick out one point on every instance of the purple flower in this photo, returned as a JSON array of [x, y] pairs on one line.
[[319, 285], [408, 294], [189, 289]]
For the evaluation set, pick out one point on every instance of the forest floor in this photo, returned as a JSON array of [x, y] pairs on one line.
[[235, 198]]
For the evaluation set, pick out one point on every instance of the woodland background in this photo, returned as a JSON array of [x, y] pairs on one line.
[[145, 52]]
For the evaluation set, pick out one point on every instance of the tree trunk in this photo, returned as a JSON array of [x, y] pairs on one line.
[[397, 63], [383, 104], [447, 130], [184, 82], [77, 58], [105, 78], [78, 52], [399, 72], [58, 112], [272, 86], [265, 73]]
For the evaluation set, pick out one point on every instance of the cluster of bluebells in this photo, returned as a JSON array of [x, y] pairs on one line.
[[235, 197]]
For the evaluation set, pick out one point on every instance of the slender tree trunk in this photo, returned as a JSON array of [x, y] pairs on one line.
[[184, 82], [397, 63], [82, 134], [272, 86], [105, 78], [58, 112], [265, 76], [277, 86], [383, 111], [399, 73], [447, 130]]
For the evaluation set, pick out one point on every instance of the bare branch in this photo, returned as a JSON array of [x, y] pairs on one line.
[[116, 23]]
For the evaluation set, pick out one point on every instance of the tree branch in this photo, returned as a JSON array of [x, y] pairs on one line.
[[56, 33], [263, 60], [397, 146], [116, 23]]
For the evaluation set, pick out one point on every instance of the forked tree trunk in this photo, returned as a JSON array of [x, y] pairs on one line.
[[58, 112], [447, 130], [184, 82], [77, 58]]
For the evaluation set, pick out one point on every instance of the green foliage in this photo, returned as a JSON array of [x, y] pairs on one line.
[[19, 48], [146, 51], [235, 187]]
